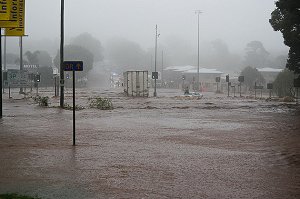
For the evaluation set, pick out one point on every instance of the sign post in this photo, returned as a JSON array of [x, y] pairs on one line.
[[73, 66]]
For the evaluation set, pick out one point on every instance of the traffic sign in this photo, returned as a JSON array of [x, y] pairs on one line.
[[17, 78], [154, 75], [73, 66]]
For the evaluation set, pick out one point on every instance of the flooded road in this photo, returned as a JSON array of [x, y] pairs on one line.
[[164, 147]]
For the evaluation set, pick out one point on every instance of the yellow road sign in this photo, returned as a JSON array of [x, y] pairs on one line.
[[13, 21], [5, 9], [19, 30]]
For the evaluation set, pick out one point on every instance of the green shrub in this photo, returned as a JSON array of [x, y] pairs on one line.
[[43, 101], [69, 107], [101, 103]]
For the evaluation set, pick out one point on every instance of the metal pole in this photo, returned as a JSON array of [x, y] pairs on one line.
[[4, 58], [155, 94], [1, 114], [73, 107], [55, 86], [62, 56], [255, 90], [21, 59], [228, 89], [162, 68], [198, 12]]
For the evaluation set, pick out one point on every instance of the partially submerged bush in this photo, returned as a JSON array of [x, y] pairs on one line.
[[43, 101], [288, 99], [101, 103], [69, 107]]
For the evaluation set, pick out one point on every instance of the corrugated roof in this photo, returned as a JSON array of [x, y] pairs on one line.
[[193, 69]]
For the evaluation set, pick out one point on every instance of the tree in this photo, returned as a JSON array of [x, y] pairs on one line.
[[73, 52], [283, 84], [286, 19], [256, 54], [32, 57], [252, 75], [90, 43], [125, 54], [44, 59]]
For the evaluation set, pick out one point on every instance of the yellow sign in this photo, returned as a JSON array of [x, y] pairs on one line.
[[20, 30], [13, 20], [5, 9]]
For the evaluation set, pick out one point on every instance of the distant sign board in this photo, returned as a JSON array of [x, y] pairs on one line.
[[154, 75], [218, 79], [73, 66], [270, 86], [17, 78], [259, 87], [241, 78]]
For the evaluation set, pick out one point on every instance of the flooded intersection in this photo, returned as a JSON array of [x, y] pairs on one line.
[[165, 147]]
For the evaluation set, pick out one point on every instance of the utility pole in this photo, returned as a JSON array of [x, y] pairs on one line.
[[198, 12], [62, 56], [162, 67], [155, 61], [1, 104], [21, 61]]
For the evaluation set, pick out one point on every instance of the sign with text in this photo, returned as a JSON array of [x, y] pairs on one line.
[[20, 29], [5, 9], [73, 65], [13, 21], [17, 78]]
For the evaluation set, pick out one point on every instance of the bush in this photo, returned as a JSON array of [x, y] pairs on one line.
[[283, 84], [69, 107], [101, 103], [43, 101]]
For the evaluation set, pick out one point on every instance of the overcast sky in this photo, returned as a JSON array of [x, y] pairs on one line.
[[237, 22]]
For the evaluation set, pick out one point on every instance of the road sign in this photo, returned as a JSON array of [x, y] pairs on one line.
[[269, 86], [154, 75], [241, 78], [227, 78], [218, 79], [73, 66], [259, 87], [17, 78]]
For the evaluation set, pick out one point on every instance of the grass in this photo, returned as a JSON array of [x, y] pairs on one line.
[[16, 196]]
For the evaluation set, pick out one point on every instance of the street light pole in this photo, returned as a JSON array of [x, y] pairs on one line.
[[155, 61], [198, 12], [162, 68], [62, 55]]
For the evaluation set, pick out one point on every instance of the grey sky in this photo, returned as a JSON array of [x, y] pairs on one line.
[[236, 22]]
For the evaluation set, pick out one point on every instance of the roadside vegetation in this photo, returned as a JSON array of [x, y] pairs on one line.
[[101, 103]]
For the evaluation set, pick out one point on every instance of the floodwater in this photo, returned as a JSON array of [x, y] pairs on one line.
[[164, 147]]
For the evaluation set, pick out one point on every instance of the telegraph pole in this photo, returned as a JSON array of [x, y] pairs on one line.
[[155, 61], [62, 55], [1, 74], [198, 12], [162, 67]]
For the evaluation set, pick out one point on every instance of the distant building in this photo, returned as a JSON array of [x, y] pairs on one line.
[[186, 76]]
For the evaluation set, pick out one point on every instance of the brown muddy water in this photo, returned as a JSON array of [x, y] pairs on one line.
[[164, 147]]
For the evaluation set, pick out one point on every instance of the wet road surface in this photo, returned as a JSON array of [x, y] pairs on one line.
[[165, 147]]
